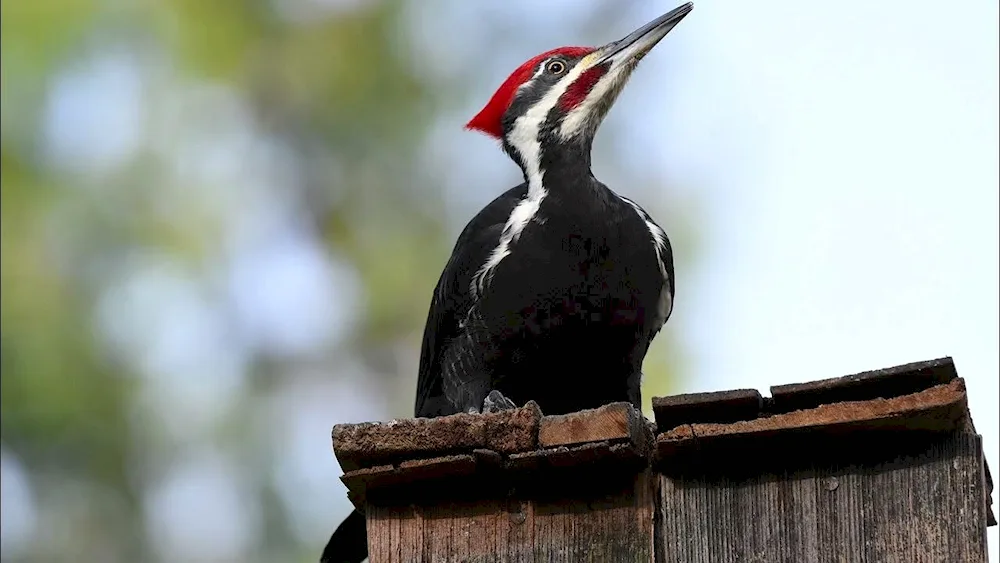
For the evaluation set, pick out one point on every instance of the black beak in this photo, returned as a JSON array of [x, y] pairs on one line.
[[640, 41]]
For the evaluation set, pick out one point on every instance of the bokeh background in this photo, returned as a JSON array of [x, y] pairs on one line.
[[222, 221]]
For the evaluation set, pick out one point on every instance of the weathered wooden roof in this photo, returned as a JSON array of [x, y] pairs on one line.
[[879, 413]]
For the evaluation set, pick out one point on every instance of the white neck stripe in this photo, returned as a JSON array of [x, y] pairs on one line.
[[584, 113], [523, 138]]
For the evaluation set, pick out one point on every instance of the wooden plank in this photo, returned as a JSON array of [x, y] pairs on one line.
[[893, 478], [717, 406], [940, 409], [425, 471], [483, 472], [582, 460], [882, 383], [374, 443], [596, 526], [928, 507], [613, 422]]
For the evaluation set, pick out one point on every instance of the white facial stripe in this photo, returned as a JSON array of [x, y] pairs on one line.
[[578, 118], [530, 81], [524, 136], [582, 116], [524, 139], [575, 121], [527, 83]]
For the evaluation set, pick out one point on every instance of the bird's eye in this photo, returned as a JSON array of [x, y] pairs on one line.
[[556, 67]]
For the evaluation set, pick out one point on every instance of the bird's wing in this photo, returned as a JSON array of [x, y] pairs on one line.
[[665, 258], [451, 353], [665, 305]]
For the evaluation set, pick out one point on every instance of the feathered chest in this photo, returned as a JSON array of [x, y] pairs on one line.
[[587, 253]]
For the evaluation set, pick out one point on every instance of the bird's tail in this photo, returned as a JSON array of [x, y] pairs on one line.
[[349, 544]]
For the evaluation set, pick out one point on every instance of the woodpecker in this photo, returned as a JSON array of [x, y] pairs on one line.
[[556, 288]]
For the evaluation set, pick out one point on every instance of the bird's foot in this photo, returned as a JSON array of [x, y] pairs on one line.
[[496, 402]]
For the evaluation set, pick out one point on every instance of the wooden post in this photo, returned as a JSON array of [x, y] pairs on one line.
[[882, 466]]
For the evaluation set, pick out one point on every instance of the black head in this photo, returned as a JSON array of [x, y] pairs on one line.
[[560, 97]]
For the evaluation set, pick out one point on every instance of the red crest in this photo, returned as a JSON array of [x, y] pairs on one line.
[[488, 120]]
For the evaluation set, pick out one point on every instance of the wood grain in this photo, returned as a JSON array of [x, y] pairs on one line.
[[612, 525], [883, 466], [374, 443], [615, 421], [880, 383], [716, 406], [925, 508], [940, 409]]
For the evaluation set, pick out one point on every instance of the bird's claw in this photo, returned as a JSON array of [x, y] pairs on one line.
[[496, 402]]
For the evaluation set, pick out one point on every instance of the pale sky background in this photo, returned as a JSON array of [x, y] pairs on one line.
[[862, 230], [845, 155], [840, 160]]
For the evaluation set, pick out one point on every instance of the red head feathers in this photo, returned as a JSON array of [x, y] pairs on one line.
[[488, 120]]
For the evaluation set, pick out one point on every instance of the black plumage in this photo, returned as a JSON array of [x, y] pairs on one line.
[[554, 290], [568, 316]]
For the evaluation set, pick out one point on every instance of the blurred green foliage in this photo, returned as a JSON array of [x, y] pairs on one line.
[[330, 88]]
